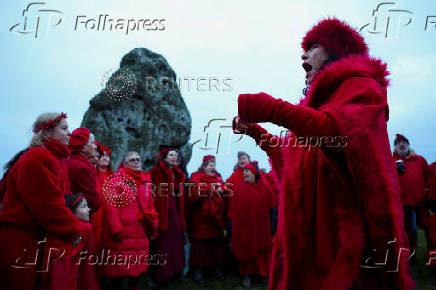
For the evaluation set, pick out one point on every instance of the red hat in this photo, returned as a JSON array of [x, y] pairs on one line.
[[78, 139], [208, 157], [102, 148], [400, 138], [335, 36], [253, 166]]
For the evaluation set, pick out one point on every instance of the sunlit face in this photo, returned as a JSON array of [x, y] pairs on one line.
[[133, 161], [90, 148], [249, 176], [104, 160], [402, 148], [209, 169], [313, 60], [171, 158], [82, 210], [61, 132], [242, 160]]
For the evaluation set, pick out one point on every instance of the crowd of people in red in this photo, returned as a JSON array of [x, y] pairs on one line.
[[322, 218]]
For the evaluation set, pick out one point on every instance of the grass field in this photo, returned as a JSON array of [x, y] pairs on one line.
[[424, 276]]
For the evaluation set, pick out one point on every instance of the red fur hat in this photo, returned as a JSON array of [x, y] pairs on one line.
[[253, 166], [337, 37], [102, 148], [400, 138], [208, 157], [78, 139]]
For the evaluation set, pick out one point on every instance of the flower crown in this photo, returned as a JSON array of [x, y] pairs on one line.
[[50, 123]]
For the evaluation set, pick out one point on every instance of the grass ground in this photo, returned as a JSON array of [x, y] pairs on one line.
[[424, 276]]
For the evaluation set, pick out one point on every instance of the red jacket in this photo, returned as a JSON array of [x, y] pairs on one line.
[[34, 207], [168, 181], [340, 198], [83, 178], [414, 181], [206, 207], [432, 183], [127, 236], [236, 178]]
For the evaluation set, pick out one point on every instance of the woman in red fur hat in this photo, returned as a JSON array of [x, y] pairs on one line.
[[340, 207], [206, 208], [34, 206], [132, 220], [250, 213], [168, 181]]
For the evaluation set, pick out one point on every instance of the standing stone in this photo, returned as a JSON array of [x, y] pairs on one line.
[[139, 109]]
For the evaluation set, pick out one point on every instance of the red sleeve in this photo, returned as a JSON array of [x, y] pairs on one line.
[[113, 220], [39, 186], [301, 120], [268, 143], [84, 180]]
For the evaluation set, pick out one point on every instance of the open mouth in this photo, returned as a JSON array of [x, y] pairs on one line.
[[307, 67]]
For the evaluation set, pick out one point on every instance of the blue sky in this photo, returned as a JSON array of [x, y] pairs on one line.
[[255, 43]]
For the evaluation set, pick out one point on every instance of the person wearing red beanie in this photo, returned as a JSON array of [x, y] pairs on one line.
[[414, 176], [84, 179], [206, 207], [340, 207], [250, 212]]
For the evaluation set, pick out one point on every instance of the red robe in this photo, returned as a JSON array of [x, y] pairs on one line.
[[431, 252], [205, 219], [33, 207], [99, 225], [236, 178], [251, 227], [127, 240], [340, 197], [414, 181], [169, 181]]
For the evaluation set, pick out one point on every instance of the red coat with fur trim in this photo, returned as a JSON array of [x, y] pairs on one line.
[[33, 208], [167, 181], [127, 236], [414, 181], [206, 206], [340, 197]]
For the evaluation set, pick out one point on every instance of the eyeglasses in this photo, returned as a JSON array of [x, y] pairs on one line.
[[137, 159]]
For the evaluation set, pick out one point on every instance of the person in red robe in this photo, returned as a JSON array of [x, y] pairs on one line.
[[250, 214], [431, 248], [413, 173], [34, 206], [105, 173], [206, 227], [132, 220], [340, 208], [65, 262], [84, 179], [168, 182]]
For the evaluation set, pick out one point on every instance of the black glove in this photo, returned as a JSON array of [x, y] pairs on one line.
[[401, 168]]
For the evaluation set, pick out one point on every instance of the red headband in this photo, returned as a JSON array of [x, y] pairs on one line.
[[208, 157], [76, 201], [50, 123]]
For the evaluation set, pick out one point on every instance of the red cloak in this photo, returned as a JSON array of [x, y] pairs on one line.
[[249, 213], [340, 197], [167, 181]]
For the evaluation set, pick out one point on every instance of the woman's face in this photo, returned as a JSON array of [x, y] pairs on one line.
[[89, 150], [209, 169], [82, 211], [104, 160], [171, 157], [61, 132], [313, 60], [133, 162], [249, 176], [242, 160]]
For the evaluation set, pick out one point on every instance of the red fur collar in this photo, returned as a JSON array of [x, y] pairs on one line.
[[57, 148], [163, 165], [332, 76]]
